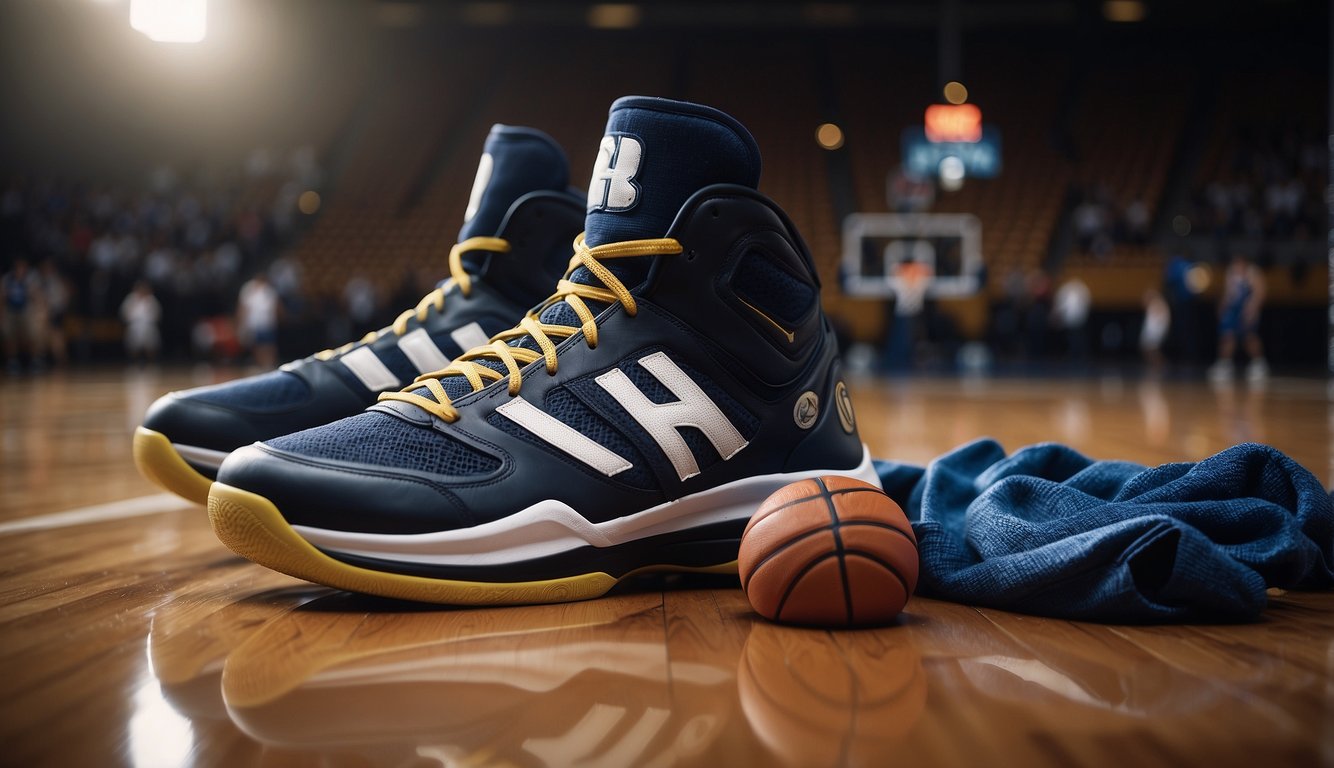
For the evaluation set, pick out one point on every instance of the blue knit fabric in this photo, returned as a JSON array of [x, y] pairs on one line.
[[384, 441], [1048, 531]]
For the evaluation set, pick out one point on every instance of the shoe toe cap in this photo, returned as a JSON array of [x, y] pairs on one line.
[[236, 413], [186, 419], [343, 496]]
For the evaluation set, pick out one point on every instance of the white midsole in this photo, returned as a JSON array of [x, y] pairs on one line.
[[204, 457], [550, 527]]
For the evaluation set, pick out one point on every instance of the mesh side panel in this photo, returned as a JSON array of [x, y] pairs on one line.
[[567, 408], [705, 454], [457, 386], [638, 476], [561, 313], [382, 440], [771, 288], [272, 391], [745, 422]]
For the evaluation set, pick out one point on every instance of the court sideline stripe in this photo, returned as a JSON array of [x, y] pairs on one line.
[[115, 510]]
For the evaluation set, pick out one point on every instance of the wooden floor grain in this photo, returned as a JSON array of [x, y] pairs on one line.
[[129, 636]]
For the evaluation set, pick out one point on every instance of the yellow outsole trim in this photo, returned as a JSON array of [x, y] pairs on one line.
[[251, 526], [159, 462]]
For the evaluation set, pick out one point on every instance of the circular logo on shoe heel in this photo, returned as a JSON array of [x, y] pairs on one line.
[[806, 409], [844, 403]]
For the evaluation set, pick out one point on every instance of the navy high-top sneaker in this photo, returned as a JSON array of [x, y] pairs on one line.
[[515, 243], [682, 371]]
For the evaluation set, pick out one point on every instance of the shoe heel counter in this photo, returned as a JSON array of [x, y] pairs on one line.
[[834, 441]]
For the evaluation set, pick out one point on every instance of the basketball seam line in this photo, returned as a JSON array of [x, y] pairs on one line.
[[838, 492], [798, 539], [838, 544], [778, 612], [792, 584], [884, 564]]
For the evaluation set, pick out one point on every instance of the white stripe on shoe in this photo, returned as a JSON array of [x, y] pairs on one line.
[[367, 367], [469, 336], [563, 436], [423, 352]]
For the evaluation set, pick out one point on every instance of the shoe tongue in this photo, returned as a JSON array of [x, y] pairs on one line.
[[515, 161], [657, 153]]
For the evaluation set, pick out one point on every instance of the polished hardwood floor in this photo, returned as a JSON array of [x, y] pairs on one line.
[[129, 636]]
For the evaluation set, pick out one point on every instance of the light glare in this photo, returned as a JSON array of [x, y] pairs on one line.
[[614, 16], [170, 21], [951, 173], [829, 136], [1124, 11], [1198, 279], [309, 202]]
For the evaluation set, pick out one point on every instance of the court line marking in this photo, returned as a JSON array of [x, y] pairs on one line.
[[115, 510]]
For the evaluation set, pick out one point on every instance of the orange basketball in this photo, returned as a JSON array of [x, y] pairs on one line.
[[832, 552]]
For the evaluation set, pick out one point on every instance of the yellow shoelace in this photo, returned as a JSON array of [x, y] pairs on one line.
[[515, 358], [436, 298]]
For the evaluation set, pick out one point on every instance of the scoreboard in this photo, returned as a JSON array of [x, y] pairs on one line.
[[952, 143]]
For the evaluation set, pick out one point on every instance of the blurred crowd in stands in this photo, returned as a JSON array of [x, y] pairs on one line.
[[1272, 187], [200, 268], [1100, 223], [156, 268]]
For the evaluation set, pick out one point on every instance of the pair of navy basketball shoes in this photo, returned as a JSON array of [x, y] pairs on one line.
[[631, 421]]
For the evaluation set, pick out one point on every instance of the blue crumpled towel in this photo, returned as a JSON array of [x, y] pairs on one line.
[[1049, 531]]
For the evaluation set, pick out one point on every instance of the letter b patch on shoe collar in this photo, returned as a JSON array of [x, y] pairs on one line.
[[613, 187]]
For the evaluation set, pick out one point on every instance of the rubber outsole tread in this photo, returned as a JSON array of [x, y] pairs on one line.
[[162, 465]]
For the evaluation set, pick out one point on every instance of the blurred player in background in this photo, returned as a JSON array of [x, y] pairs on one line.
[[914, 278], [56, 292], [1070, 310], [22, 307], [140, 312], [1153, 332], [1239, 315], [257, 310]]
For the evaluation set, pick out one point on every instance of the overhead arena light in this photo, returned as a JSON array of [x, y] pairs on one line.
[[1124, 11], [952, 173], [614, 16], [170, 21], [829, 136]]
